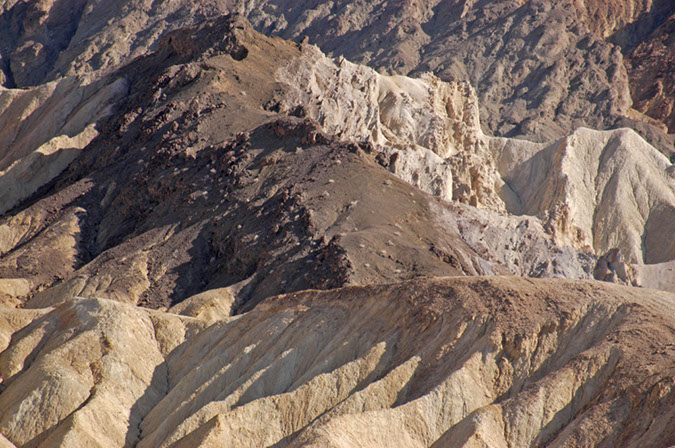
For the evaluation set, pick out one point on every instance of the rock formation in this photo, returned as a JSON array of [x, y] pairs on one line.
[[212, 237], [444, 362], [594, 190], [541, 68]]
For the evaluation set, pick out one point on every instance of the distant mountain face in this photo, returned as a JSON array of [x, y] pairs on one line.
[[541, 68], [44, 39], [651, 73]]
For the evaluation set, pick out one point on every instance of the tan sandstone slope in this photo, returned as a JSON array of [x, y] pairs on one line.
[[454, 362]]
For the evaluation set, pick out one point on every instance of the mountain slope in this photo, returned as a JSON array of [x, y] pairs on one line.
[[220, 238], [201, 179], [433, 362]]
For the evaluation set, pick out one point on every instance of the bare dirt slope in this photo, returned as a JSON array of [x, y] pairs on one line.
[[198, 181]]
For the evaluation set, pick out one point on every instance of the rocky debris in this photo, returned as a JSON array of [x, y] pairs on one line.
[[521, 243], [207, 39], [612, 268], [179, 195], [429, 362]]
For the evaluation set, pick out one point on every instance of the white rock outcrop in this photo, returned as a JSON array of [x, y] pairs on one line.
[[400, 113], [593, 190], [596, 189]]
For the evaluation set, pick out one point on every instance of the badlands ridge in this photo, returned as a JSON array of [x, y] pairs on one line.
[[220, 238]]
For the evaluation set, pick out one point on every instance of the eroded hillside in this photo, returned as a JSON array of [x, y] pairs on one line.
[[213, 237], [448, 362]]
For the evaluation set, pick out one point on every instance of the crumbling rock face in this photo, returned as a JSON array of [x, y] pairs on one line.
[[597, 192], [416, 122], [442, 362]]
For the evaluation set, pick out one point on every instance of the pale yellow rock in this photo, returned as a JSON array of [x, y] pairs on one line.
[[13, 288], [210, 306], [459, 362], [597, 189], [13, 320], [43, 129], [86, 370], [26, 175], [19, 228], [4, 443]]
